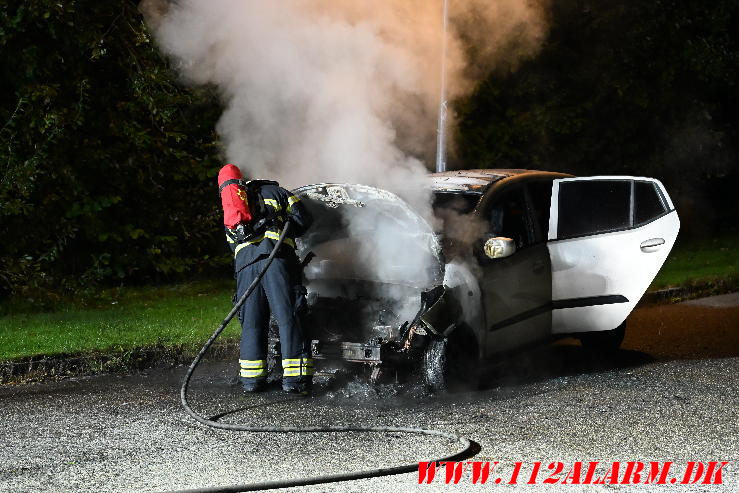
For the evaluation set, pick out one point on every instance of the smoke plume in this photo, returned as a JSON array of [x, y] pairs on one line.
[[344, 91], [338, 90]]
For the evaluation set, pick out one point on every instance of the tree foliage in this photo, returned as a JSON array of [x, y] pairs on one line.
[[622, 87], [106, 162]]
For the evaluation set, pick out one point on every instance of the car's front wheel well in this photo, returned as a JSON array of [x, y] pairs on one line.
[[450, 362]]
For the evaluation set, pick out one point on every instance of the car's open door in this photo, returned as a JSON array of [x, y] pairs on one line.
[[608, 237]]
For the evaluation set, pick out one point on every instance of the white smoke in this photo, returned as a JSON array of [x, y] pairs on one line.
[[337, 90], [343, 90]]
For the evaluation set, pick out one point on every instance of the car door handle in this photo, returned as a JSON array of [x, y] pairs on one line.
[[652, 245]]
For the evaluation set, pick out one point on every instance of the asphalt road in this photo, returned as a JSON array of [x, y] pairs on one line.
[[672, 394]]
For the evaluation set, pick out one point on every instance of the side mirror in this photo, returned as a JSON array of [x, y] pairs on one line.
[[499, 247]]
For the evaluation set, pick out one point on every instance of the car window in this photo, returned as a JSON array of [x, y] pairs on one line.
[[450, 213], [594, 206], [648, 202], [459, 203], [540, 195], [507, 216]]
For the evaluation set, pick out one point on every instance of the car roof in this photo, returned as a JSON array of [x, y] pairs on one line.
[[471, 180]]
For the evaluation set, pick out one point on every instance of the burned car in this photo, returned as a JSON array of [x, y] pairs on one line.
[[509, 258]]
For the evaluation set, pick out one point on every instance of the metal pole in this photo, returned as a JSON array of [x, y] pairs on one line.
[[441, 129]]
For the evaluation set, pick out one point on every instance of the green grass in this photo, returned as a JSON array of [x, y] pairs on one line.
[[186, 314], [170, 316], [698, 261]]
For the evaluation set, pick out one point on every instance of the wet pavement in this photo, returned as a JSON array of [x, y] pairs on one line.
[[720, 301], [672, 394]]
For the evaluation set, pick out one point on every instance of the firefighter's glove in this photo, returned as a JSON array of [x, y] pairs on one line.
[[260, 225], [240, 233]]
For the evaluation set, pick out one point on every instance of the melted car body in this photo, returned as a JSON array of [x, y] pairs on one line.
[[514, 257]]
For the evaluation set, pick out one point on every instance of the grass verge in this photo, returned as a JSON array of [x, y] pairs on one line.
[[704, 261], [183, 316]]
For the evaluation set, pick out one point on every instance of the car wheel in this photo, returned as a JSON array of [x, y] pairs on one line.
[[450, 363], [604, 341]]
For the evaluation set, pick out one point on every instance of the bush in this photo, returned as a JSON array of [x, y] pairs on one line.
[[108, 164]]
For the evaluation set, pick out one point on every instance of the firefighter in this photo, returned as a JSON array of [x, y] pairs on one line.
[[254, 214]]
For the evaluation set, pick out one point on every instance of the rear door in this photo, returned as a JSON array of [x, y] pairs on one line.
[[608, 237]]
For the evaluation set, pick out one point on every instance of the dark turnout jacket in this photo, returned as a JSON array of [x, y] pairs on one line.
[[284, 206]]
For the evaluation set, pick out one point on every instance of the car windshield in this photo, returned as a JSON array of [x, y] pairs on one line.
[[454, 202], [368, 234], [452, 224]]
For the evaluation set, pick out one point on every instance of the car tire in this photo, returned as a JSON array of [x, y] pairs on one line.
[[450, 363], [604, 341]]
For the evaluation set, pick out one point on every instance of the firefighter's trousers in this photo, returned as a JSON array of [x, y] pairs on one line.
[[276, 292]]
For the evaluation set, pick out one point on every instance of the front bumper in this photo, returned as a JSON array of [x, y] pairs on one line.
[[371, 353]]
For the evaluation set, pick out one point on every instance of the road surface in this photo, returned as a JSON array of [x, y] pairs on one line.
[[672, 394]]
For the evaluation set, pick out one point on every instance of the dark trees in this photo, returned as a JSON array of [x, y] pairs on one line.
[[106, 162], [622, 87]]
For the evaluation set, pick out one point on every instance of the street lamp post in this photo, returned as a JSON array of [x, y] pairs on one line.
[[441, 129]]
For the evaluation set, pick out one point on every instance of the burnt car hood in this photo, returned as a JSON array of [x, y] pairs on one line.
[[375, 258], [365, 233]]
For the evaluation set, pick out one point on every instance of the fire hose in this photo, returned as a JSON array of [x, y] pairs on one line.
[[468, 451]]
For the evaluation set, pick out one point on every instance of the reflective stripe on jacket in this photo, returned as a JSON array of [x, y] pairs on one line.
[[285, 206]]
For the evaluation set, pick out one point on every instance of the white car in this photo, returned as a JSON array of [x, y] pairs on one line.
[[518, 257]]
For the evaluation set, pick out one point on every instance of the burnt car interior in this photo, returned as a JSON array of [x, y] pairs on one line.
[[507, 217], [448, 206], [522, 213], [456, 202], [540, 194]]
